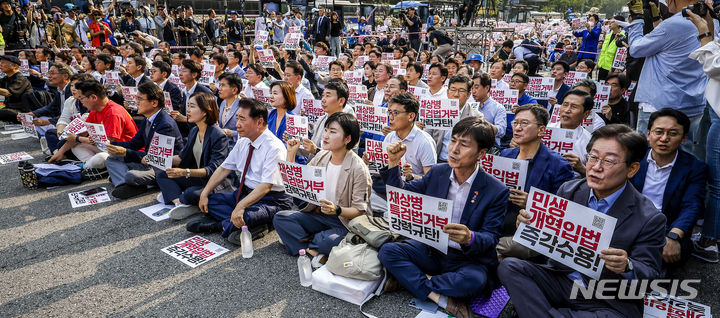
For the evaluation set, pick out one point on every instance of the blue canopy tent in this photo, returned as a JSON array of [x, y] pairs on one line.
[[407, 4]]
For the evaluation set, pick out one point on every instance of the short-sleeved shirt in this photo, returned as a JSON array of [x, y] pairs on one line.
[[119, 125], [264, 162], [420, 149]]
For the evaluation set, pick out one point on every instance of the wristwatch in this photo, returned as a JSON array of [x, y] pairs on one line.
[[629, 266], [706, 34], [338, 210], [673, 236], [187, 173]]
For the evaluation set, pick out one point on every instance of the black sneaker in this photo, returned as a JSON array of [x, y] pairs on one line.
[[125, 191], [203, 224], [93, 174]]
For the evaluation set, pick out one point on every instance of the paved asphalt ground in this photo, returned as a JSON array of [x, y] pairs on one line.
[[105, 260]]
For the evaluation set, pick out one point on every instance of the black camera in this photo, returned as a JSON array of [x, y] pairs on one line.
[[698, 8]]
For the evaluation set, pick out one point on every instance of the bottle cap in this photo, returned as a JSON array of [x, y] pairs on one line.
[[244, 227], [301, 252]]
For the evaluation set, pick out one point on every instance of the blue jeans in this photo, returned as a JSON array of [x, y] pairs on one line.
[[186, 189], [711, 227], [221, 206], [335, 49]]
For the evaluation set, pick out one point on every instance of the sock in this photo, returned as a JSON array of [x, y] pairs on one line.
[[442, 301]]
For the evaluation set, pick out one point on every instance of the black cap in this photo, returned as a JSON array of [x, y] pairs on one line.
[[10, 58]]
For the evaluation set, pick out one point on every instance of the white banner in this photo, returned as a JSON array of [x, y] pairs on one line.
[[419, 217], [567, 232], [97, 134], [312, 109], [194, 251], [511, 172], [304, 182], [14, 157], [88, 197], [439, 113], [161, 151], [371, 118]]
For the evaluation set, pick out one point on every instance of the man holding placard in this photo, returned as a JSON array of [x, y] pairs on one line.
[[190, 72], [460, 88], [478, 208], [635, 250], [492, 111], [576, 106], [129, 170]]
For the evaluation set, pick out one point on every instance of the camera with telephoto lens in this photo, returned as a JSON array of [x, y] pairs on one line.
[[701, 9]]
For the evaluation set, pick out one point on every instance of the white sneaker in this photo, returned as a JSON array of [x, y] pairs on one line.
[[183, 211], [315, 262], [160, 198]]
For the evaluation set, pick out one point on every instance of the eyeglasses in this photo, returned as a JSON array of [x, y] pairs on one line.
[[394, 113], [670, 133], [457, 91], [605, 163], [522, 124], [517, 82]]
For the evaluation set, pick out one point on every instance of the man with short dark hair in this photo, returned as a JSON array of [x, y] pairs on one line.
[[473, 228], [492, 111], [635, 251], [260, 192], [159, 74], [617, 111], [334, 100], [13, 86], [558, 71], [190, 72], [674, 180], [293, 74], [576, 106], [128, 170]]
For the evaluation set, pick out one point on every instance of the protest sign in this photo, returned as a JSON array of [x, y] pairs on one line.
[[14, 157], [353, 77], [540, 87], [24, 67], [88, 197], [161, 151], [176, 80], [168, 102], [295, 29], [620, 59], [267, 59], [511, 172], [175, 70], [27, 122], [439, 113], [505, 96], [376, 154], [261, 94], [360, 62], [312, 109], [371, 118], [112, 80], [44, 68], [573, 77], [261, 37], [560, 140], [76, 126], [426, 71], [419, 217], [629, 91], [323, 64], [661, 305], [397, 70], [130, 94], [292, 41], [296, 126], [208, 74], [418, 91], [304, 182], [97, 134], [578, 23], [357, 93], [567, 232], [118, 62], [158, 212], [507, 78], [194, 251], [386, 57], [602, 97]]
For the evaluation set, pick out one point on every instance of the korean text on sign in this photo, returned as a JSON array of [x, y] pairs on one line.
[[208, 74], [507, 97], [27, 123], [323, 63], [296, 126], [161, 151], [559, 140], [267, 59], [573, 77], [376, 154], [419, 217], [76, 126], [304, 182], [437, 113], [312, 108], [371, 118], [566, 232], [661, 305], [97, 134], [511, 172], [14, 157], [130, 94], [540, 87], [194, 251], [620, 58]]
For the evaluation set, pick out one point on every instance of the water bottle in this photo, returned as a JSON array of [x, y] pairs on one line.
[[246, 241], [44, 145], [304, 269]]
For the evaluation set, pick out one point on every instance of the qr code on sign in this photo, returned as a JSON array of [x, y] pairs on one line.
[[516, 166], [318, 173], [442, 206], [569, 134], [598, 222]]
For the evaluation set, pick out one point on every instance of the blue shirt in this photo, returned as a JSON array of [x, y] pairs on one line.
[[494, 113], [669, 78]]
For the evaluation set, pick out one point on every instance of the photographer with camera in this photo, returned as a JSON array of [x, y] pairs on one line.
[[412, 23], [669, 78]]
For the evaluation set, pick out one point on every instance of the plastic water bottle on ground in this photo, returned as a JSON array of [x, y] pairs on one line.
[[44, 145], [246, 240], [304, 269]]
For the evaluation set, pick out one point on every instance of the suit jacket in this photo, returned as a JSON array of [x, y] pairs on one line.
[[640, 231], [322, 30], [371, 93], [176, 95], [483, 214], [230, 121], [353, 184], [56, 105], [547, 171], [162, 124], [214, 150], [130, 81], [185, 126], [684, 196]]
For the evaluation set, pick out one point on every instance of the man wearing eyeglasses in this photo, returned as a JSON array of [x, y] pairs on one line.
[[459, 88], [636, 247], [674, 180]]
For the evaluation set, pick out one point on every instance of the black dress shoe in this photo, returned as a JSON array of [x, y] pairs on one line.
[[125, 191], [203, 225]]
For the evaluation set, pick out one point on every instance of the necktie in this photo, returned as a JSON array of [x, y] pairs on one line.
[[245, 171], [226, 113], [147, 129]]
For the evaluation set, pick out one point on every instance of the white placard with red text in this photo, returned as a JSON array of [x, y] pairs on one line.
[[566, 232], [573, 77], [439, 113], [44, 68], [296, 126], [112, 80], [511, 172], [661, 305], [620, 59], [78, 199], [24, 67], [292, 41], [14, 157], [168, 103], [323, 64], [267, 59], [304, 182], [130, 94], [208, 74], [194, 251], [261, 37], [560, 140], [602, 97], [161, 151], [371, 118], [507, 97], [418, 91], [96, 132], [27, 122], [376, 154], [419, 217], [76, 126], [353, 77], [261, 94], [357, 93], [360, 62], [539, 87], [312, 109]]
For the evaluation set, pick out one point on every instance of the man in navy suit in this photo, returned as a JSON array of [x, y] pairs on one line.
[[674, 180], [159, 73], [126, 165], [190, 72], [635, 251], [321, 28], [479, 204], [136, 67]]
